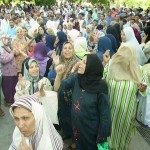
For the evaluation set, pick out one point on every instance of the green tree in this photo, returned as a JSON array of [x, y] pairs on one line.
[[45, 2]]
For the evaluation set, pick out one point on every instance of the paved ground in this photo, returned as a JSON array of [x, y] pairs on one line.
[[7, 127]]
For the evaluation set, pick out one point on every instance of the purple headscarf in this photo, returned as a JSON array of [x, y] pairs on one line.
[[40, 55]]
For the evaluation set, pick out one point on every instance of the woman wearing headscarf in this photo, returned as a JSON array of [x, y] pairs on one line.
[[28, 84], [91, 119], [124, 78], [41, 33], [146, 42], [104, 44], [80, 47], [128, 37], [50, 40], [20, 46], [113, 42], [67, 59], [9, 70], [61, 38], [34, 129], [40, 55], [112, 30]]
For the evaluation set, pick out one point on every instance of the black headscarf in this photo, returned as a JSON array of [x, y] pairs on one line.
[[62, 39], [91, 81]]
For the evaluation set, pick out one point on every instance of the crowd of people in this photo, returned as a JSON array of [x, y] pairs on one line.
[[95, 63]]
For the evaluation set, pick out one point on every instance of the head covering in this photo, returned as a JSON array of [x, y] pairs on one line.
[[131, 40], [34, 80], [62, 39], [112, 30], [73, 34], [80, 47], [50, 40], [147, 32], [91, 79], [68, 63], [51, 31], [104, 44], [40, 54], [113, 42], [124, 65], [45, 136]]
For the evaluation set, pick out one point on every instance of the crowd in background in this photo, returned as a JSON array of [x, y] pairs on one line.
[[96, 59]]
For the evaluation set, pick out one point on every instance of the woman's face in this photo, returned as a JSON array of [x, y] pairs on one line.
[[24, 120], [34, 69], [19, 33], [69, 26], [68, 51], [24, 32], [82, 65], [123, 36], [41, 31]]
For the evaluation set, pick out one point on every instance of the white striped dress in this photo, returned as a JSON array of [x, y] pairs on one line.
[[123, 110]]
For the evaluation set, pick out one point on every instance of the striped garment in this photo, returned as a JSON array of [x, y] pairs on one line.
[[45, 136], [123, 108]]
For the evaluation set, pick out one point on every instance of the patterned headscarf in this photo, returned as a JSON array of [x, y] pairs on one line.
[[45, 136], [69, 63]]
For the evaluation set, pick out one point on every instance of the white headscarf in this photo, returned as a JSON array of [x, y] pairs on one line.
[[45, 136], [131, 40]]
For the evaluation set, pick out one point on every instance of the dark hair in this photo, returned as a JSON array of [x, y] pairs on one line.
[[147, 32]]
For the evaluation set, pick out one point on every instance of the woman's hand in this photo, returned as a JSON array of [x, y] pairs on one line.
[[55, 58], [23, 145], [144, 38], [106, 57], [75, 67], [60, 69], [142, 87], [22, 80]]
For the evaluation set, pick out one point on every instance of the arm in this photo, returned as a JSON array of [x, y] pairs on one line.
[[47, 85], [6, 57], [146, 48], [22, 90], [105, 118]]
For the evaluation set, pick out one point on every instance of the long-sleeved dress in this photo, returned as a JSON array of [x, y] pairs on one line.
[[91, 119], [123, 104]]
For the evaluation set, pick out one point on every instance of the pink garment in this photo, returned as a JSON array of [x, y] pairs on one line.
[[8, 64]]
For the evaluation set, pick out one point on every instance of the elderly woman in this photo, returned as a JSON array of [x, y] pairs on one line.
[[91, 119], [124, 78], [34, 129], [28, 84], [128, 37], [9, 70], [20, 46]]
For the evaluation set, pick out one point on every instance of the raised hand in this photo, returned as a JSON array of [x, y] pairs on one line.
[[23, 144], [60, 69], [106, 57], [21, 80], [55, 58]]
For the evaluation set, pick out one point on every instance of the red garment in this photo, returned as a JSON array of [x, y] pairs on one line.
[[137, 35]]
